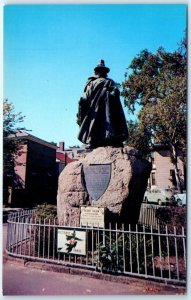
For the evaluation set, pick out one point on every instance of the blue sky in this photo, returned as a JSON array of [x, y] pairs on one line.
[[51, 50]]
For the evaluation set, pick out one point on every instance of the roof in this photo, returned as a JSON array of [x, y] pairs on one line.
[[63, 157], [21, 134]]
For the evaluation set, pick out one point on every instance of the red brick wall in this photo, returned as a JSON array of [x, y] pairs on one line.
[[35, 175]]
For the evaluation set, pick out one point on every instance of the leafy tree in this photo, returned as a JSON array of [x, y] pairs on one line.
[[11, 146], [158, 83], [139, 137]]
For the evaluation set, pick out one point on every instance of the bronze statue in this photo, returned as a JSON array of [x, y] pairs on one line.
[[100, 113]]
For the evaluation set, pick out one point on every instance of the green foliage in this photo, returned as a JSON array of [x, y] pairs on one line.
[[44, 239], [11, 145], [158, 84], [107, 261], [139, 137], [11, 121], [172, 220], [164, 214], [10, 118], [45, 211], [174, 216], [127, 251]]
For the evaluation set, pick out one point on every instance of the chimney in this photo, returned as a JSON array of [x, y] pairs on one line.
[[61, 146]]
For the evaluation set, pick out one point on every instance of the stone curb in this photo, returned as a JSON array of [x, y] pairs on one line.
[[93, 274]]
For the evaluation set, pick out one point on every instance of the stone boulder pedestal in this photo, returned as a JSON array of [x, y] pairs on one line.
[[123, 195]]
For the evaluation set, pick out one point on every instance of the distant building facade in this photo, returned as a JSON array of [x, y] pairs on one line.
[[62, 158], [34, 178], [66, 156], [163, 174]]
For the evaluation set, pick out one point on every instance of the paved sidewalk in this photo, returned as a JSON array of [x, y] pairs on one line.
[[39, 279]]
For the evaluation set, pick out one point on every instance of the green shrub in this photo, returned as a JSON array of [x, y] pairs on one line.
[[126, 251], [107, 261], [164, 214], [46, 211], [175, 219], [174, 216]]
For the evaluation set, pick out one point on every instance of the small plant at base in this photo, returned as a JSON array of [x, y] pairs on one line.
[[107, 260], [45, 211]]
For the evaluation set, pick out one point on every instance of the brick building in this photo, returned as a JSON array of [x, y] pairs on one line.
[[34, 179], [163, 174], [62, 158]]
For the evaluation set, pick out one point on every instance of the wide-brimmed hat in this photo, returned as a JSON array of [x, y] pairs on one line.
[[101, 67]]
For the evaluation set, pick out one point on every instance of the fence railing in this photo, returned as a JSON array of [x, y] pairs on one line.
[[137, 250], [147, 215]]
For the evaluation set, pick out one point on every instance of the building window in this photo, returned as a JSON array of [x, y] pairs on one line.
[[153, 178], [173, 177]]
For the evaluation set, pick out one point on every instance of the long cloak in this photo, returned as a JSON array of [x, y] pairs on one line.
[[103, 121]]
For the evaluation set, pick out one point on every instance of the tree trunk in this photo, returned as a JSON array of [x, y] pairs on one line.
[[174, 158]]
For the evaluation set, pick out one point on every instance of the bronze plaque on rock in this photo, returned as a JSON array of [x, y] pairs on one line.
[[96, 179]]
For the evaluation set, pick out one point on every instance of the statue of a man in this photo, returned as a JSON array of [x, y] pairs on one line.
[[100, 113]]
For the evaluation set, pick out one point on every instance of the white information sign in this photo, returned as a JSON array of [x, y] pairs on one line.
[[71, 241], [92, 216]]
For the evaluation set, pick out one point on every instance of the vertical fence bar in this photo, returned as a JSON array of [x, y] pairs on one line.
[[116, 243], [39, 231], [137, 249], [130, 249], [25, 236], [145, 251], [48, 238], [110, 237], [152, 216], [92, 232], [152, 213], [149, 216], [12, 235], [160, 254], [43, 241], [75, 257], [184, 247], [8, 242], [176, 253], [87, 249], [19, 235], [152, 250], [16, 234], [53, 250], [34, 246], [8, 236], [98, 246], [123, 234], [61, 223], [59, 251], [103, 235], [30, 228], [168, 252]]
